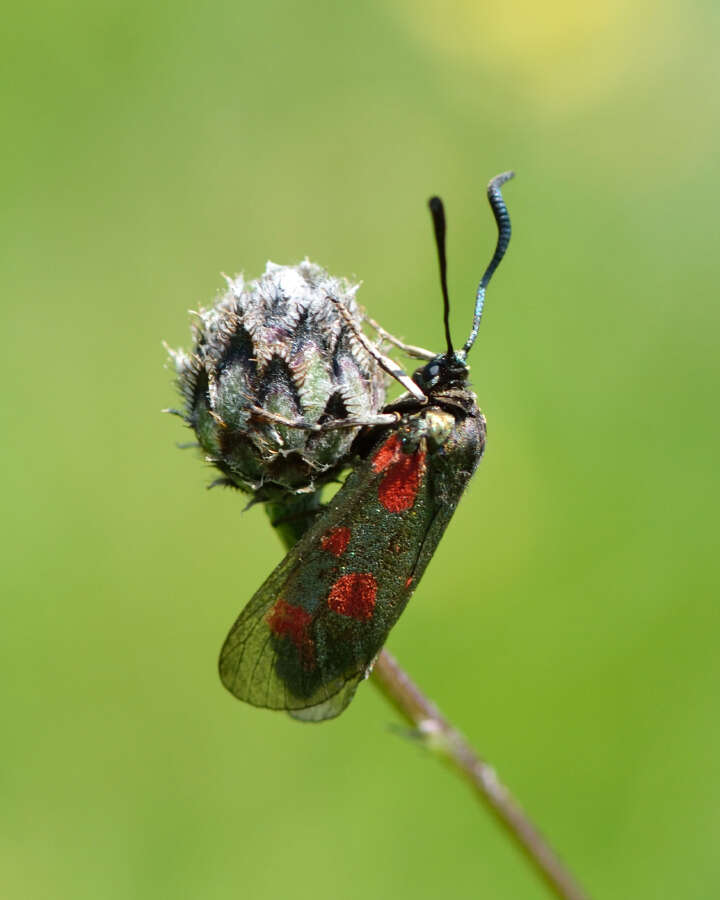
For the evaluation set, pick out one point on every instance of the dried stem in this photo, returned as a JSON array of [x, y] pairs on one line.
[[447, 742]]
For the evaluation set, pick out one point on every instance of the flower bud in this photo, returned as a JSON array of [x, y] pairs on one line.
[[272, 355]]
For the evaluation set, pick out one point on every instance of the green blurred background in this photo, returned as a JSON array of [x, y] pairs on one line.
[[568, 621]]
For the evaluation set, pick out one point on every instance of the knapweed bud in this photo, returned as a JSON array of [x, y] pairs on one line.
[[272, 357]]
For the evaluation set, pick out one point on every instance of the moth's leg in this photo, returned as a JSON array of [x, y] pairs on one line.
[[266, 416], [350, 422], [409, 349], [379, 419], [383, 361]]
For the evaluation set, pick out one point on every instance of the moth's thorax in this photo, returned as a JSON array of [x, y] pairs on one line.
[[450, 424], [439, 425]]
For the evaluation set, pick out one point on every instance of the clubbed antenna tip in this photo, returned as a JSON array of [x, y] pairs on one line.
[[502, 218]]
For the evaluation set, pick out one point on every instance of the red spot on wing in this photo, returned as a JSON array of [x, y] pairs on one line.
[[293, 622], [388, 453], [408, 582], [403, 474], [354, 596], [335, 540], [400, 484]]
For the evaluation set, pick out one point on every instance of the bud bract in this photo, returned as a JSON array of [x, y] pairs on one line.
[[271, 357]]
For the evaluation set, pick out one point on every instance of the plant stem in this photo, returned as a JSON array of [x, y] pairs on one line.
[[449, 744], [442, 737]]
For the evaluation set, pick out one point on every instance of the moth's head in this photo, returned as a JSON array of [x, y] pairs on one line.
[[444, 371], [449, 368]]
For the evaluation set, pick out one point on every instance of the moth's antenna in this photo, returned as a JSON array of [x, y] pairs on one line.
[[502, 218], [437, 211]]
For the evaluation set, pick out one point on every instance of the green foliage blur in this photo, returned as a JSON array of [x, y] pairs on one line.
[[568, 623]]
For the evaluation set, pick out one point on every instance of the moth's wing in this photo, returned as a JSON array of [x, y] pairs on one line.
[[332, 707], [255, 659], [309, 635], [287, 650]]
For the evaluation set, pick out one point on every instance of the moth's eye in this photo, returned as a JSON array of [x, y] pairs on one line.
[[429, 375]]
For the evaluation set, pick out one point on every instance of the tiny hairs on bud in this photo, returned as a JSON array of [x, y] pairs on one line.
[[274, 361]]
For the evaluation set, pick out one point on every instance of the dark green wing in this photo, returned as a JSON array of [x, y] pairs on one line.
[[312, 631]]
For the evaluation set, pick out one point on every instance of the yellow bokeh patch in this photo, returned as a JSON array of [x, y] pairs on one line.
[[558, 54]]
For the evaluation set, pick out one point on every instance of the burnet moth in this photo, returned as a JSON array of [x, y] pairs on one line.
[[313, 630]]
